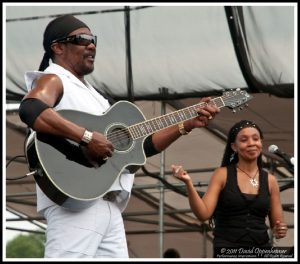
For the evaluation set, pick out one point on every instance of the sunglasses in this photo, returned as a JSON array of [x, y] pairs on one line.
[[82, 40]]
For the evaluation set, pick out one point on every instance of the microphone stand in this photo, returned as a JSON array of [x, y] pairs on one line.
[[290, 166]]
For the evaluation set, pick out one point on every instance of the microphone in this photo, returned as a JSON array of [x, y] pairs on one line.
[[275, 150]]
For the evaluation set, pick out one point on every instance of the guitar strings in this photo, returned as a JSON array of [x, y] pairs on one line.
[[124, 133], [119, 135]]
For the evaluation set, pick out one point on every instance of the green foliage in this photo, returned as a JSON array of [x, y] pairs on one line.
[[29, 246]]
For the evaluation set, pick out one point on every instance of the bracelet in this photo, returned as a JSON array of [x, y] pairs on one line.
[[86, 138], [181, 129]]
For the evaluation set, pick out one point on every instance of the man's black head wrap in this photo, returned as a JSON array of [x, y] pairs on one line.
[[58, 28]]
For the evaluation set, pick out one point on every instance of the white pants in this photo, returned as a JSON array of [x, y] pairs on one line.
[[95, 232]]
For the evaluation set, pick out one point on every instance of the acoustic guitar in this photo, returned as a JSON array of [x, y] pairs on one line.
[[67, 177]]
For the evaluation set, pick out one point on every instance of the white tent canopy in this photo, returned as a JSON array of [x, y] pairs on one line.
[[187, 49]]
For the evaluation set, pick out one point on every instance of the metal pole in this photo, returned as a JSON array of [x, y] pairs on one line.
[[129, 77], [163, 92], [162, 194], [204, 241]]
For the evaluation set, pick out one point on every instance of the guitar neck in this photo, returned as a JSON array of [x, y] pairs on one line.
[[153, 125]]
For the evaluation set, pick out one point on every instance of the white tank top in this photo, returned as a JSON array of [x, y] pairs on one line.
[[84, 98]]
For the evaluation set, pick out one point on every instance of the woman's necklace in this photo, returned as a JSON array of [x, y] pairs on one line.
[[253, 181]]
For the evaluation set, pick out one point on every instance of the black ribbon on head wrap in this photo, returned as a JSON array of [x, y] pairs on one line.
[[58, 28]]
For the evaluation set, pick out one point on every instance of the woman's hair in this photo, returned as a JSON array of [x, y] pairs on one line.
[[230, 156]]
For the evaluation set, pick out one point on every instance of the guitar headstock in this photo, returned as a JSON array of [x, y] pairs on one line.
[[236, 98]]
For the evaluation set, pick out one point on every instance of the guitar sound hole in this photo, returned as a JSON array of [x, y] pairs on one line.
[[120, 138]]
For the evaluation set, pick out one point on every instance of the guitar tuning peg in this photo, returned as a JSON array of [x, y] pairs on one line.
[[246, 105], [241, 107], [233, 111]]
